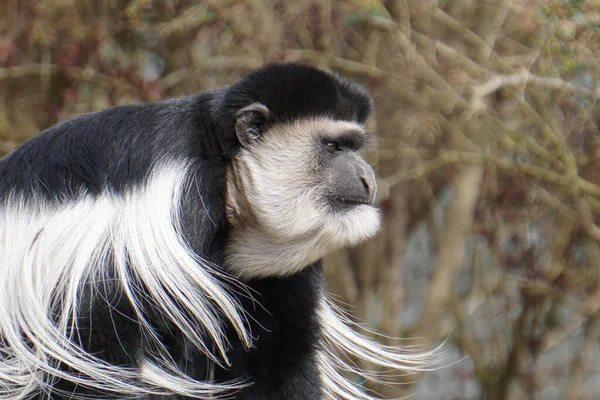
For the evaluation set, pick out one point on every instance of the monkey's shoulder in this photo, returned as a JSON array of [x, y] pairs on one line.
[[115, 148]]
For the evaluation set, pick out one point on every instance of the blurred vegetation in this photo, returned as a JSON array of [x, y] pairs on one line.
[[488, 158]]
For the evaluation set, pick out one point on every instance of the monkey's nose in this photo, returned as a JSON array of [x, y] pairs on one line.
[[370, 186]]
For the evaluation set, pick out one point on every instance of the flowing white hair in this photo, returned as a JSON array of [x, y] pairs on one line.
[[52, 255], [343, 348]]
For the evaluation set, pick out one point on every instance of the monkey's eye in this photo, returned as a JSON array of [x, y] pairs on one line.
[[333, 147], [255, 131]]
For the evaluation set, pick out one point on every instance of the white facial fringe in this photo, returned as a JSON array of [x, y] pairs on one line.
[[295, 227], [49, 253]]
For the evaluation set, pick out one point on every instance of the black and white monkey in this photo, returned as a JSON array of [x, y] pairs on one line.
[[171, 250]]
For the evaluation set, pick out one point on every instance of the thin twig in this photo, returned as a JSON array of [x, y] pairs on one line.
[[523, 78], [445, 157]]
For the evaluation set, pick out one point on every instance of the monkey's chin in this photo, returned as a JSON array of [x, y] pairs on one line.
[[254, 253], [353, 225]]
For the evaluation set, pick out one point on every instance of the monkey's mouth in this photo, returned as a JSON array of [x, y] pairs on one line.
[[345, 203]]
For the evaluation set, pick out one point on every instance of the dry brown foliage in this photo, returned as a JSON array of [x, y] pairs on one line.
[[488, 159]]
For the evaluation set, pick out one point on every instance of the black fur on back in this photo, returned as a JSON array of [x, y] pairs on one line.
[[116, 149]]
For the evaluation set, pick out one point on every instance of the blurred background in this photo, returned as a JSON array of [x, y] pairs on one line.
[[488, 158]]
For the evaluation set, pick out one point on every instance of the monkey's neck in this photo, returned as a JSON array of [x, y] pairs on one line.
[[255, 251], [252, 253]]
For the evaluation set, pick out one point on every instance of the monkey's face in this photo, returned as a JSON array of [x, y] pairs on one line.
[[295, 192]]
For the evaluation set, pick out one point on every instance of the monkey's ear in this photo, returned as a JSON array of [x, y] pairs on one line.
[[250, 122]]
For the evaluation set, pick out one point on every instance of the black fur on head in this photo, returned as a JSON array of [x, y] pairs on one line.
[[294, 91]]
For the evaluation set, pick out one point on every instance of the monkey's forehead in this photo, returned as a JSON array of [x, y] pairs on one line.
[[293, 91], [309, 130], [324, 125]]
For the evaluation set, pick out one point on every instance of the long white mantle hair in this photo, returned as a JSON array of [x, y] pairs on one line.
[[51, 255]]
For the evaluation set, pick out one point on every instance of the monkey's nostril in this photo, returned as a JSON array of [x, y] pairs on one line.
[[365, 185]]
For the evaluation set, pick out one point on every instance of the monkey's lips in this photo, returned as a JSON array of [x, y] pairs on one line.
[[344, 203]]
